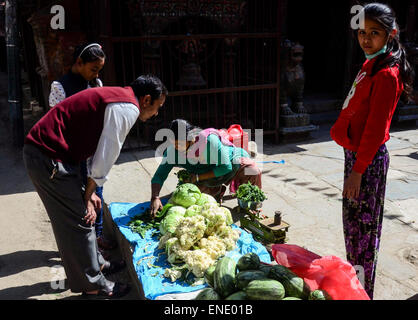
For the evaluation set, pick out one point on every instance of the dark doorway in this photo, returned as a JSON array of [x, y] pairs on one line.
[[323, 29]]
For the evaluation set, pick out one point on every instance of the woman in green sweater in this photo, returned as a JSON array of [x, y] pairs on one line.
[[212, 161]]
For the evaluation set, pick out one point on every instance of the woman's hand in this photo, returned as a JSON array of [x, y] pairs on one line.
[[90, 217], [155, 206], [352, 186]]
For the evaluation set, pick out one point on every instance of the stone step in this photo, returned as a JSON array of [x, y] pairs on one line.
[[408, 110], [325, 117]]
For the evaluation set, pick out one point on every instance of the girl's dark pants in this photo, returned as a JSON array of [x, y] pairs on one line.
[[63, 199], [363, 217]]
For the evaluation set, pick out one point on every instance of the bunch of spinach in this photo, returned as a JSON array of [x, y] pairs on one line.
[[183, 177], [143, 222], [250, 193]]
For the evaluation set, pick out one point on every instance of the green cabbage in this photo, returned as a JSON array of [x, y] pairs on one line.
[[205, 198], [193, 210], [172, 219], [186, 195]]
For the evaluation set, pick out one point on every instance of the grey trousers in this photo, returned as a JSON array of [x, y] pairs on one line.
[[63, 199]]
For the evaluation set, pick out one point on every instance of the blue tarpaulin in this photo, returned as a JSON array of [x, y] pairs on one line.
[[151, 262]]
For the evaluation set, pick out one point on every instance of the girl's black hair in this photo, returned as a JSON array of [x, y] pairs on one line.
[[149, 85], [91, 54], [183, 129], [385, 16]]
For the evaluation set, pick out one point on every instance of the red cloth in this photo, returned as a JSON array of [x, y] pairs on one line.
[[71, 130], [364, 123]]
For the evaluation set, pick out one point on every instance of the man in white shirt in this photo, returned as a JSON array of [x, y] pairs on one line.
[[91, 124]]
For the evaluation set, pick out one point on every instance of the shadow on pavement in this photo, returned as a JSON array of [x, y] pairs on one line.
[[29, 291], [16, 262]]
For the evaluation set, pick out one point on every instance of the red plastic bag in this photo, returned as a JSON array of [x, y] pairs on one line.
[[330, 273]]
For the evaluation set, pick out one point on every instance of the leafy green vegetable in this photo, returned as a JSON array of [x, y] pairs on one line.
[[250, 193], [172, 219], [142, 223], [186, 195], [193, 210], [183, 176], [206, 198]]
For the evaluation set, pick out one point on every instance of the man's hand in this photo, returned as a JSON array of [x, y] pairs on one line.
[[155, 206], [97, 202], [352, 186], [90, 217]]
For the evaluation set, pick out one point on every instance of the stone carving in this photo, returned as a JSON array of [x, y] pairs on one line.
[[294, 118], [292, 79]]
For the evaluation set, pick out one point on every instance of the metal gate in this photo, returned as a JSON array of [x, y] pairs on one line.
[[219, 59]]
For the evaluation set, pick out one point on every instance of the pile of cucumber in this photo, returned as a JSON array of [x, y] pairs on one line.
[[249, 279]]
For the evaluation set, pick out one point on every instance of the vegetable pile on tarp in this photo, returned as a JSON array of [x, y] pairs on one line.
[[251, 279], [197, 233], [150, 262]]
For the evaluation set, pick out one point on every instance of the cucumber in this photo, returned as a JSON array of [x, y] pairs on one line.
[[249, 261], [291, 298], [265, 268], [319, 295], [209, 275], [243, 278], [265, 289], [208, 294], [224, 276], [294, 285], [240, 295]]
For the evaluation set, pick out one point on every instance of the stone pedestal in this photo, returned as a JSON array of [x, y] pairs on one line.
[[296, 127]]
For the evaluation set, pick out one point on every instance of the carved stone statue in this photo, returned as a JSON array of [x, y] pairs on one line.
[[294, 118], [292, 79]]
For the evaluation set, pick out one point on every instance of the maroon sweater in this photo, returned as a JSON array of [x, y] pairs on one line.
[[71, 130]]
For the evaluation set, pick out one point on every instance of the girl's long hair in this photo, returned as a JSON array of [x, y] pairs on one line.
[[385, 16]]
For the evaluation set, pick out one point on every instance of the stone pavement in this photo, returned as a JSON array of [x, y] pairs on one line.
[[307, 189]]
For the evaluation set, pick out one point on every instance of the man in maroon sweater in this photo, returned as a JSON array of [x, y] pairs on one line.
[[89, 126]]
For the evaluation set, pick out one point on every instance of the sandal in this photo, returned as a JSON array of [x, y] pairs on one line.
[[111, 267], [118, 290]]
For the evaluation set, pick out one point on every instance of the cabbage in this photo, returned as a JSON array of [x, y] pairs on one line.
[[193, 210], [186, 195], [205, 198], [172, 219]]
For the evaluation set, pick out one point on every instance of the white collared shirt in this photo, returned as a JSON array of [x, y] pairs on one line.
[[118, 121]]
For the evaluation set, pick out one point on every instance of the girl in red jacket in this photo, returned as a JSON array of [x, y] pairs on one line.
[[363, 129]]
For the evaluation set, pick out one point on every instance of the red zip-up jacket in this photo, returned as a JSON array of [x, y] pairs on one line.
[[363, 124]]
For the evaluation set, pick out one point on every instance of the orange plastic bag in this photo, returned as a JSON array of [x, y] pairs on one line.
[[330, 273]]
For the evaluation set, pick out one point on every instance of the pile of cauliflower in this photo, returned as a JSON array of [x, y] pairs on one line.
[[196, 231]]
